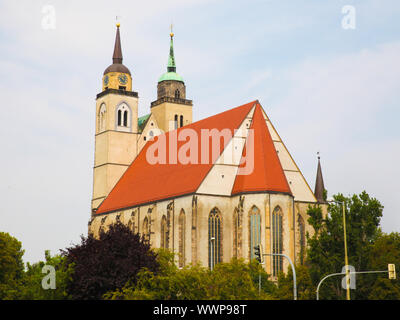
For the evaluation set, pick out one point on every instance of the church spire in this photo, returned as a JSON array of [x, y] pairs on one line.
[[171, 59], [117, 56], [319, 184]]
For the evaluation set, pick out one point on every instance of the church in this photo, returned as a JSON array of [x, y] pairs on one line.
[[208, 190]]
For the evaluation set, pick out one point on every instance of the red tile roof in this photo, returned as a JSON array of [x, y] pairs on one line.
[[144, 183], [268, 174]]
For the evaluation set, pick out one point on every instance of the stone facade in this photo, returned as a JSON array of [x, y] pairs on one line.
[[192, 240]]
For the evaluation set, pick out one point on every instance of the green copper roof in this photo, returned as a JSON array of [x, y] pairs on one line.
[[170, 76], [171, 68], [142, 121]]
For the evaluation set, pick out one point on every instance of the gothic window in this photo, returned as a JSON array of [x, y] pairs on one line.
[[214, 238], [302, 237], [176, 121], [236, 233], [255, 230], [177, 94], [277, 247], [164, 233], [181, 121], [181, 234], [123, 117], [146, 233], [119, 117], [102, 118]]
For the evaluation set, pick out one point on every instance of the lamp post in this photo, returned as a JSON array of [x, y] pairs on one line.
[[346, 261]]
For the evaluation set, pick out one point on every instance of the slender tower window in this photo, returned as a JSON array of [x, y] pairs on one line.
[[182, 239], [277, 264], [236, 233], [119, 117], [176, 121], [302, 238], [177, 94], [164, 233], [125, 118], [181, 121], [214, 238], [255, 230], [146, 233]]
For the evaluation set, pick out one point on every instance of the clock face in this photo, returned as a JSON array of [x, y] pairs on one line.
[[123, 79], [105, 80]]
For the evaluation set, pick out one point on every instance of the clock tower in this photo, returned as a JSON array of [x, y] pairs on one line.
[[116, 126]]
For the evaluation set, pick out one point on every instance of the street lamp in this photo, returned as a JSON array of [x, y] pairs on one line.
[[346, 261]]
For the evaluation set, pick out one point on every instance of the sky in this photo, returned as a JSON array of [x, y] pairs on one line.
[[326, 87]]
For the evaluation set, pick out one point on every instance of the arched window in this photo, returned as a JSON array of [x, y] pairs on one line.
[[102, 118], [146, 233], [123, 117], [164, 233], [236, 225], [176, 121], [177, 94], [277, 246], [181, 121], [181, 244], [302, 237], [119, 118], [214, 238], [255, 230]]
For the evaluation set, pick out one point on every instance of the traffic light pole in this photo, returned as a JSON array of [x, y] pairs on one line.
[[293, 270]]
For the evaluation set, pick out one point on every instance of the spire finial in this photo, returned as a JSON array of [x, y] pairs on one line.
[[171, 59], [117, 56], [172, 33], [319, 183]]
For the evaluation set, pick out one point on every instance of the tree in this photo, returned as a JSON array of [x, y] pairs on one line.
[[305, 287], [234, 280], [11, 266], [32, 282], [325, 254], [108, 263], [385, 250]]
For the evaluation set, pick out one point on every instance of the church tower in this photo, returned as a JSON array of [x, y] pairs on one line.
[[116, 126], [171, 109]]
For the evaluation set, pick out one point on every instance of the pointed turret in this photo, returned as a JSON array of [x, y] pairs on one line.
[[171, 67], [117, 65], [171, 59], [117, 56], [319, 184]]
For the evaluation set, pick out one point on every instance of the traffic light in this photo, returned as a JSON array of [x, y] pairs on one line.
[[258, 253], [392, 271]]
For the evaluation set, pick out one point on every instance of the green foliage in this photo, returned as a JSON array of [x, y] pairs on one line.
[[385, 250], [234, 280], [32, 283], [305, 287], [11, 266], [325, 254]]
